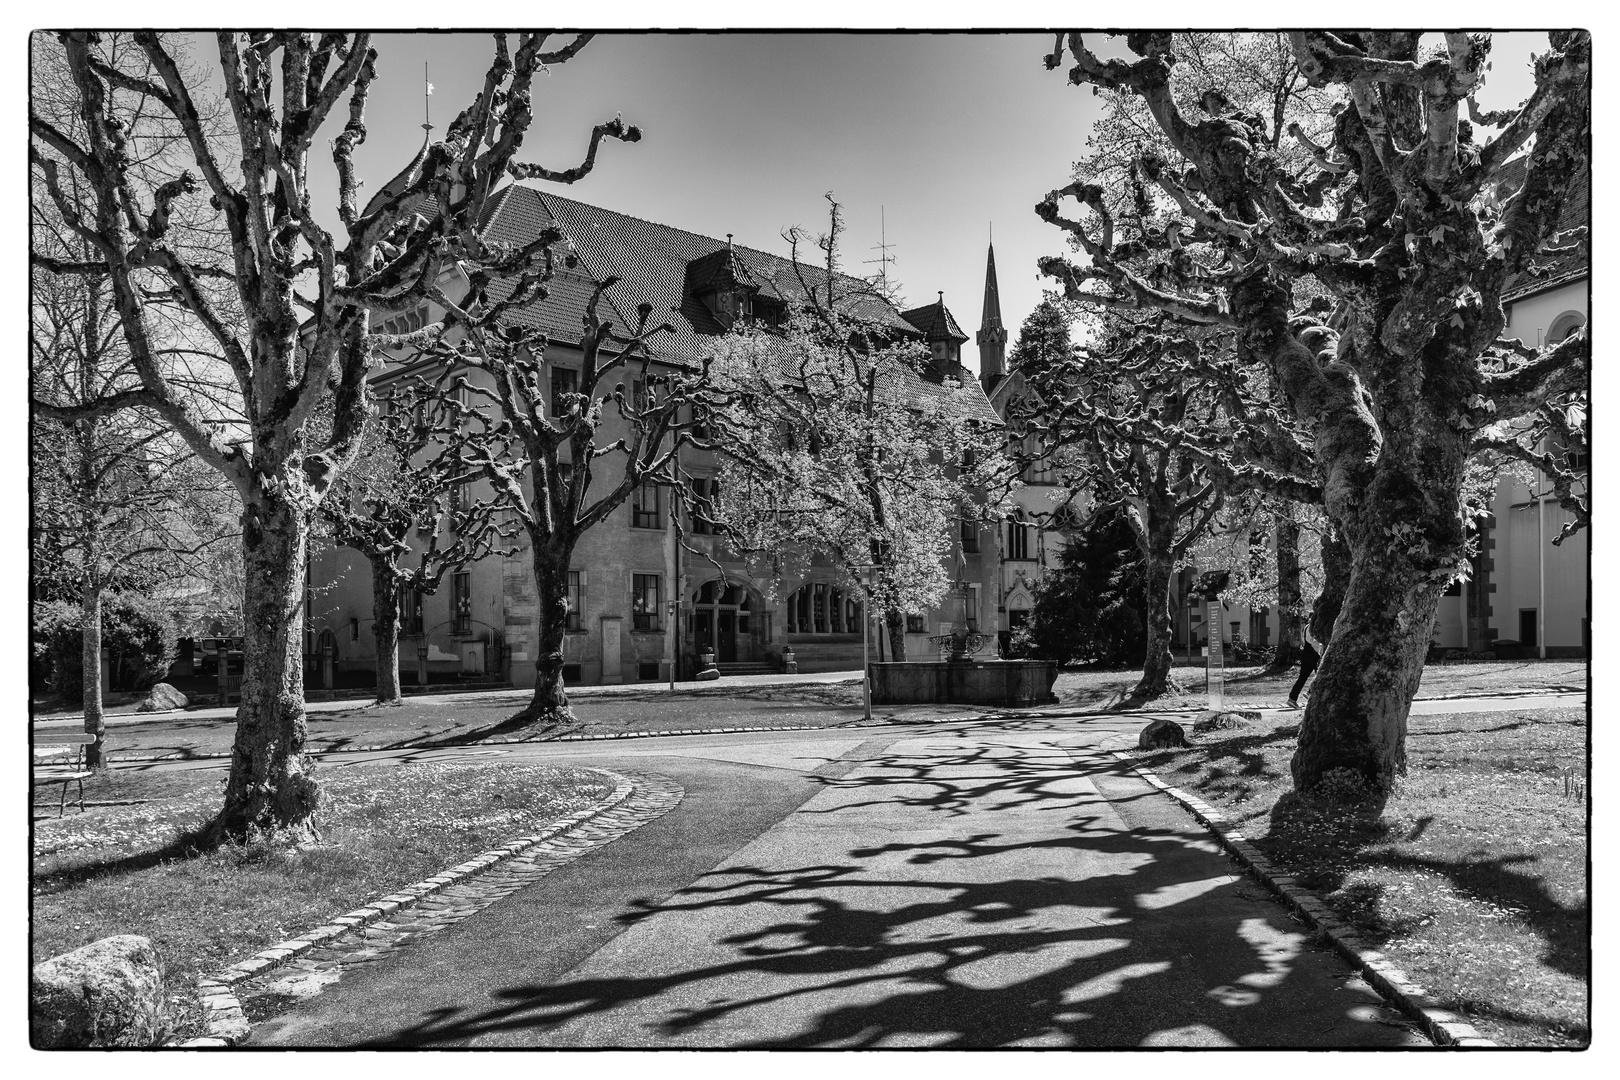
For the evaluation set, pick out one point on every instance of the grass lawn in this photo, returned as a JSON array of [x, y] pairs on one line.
[[120, 867], [1249, 688], [1473, 878], [464, 717]]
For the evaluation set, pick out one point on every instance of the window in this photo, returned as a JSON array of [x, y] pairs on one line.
[[644, 507], [647, 672], [973, 609], [1527, 627], [461, 603], [410, 611], [819, 608], [644, 601], [564, 381], [970, 536], [576, 601], [461, 499], [1017, 540], [354, 629], [916, 625]]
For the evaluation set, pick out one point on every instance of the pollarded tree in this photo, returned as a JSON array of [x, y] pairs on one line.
[[834, 445], [406, 506], [1403, 369], [307, 297], [1139, 427], [543, 444]]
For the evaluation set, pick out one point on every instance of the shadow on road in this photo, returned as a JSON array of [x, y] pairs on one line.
[[1143, 937]]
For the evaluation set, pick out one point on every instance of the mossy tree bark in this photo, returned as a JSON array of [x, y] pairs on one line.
[[1396, 371]]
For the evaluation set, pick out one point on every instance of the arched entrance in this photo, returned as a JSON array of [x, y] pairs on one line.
[[725, 618]]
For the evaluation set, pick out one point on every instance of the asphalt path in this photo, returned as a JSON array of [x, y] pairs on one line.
[[960, 885]]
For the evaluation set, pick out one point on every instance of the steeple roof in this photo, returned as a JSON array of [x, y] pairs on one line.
[[992, 293]]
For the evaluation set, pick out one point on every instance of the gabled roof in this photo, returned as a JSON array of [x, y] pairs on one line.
[[654, 264], [651, 264], [1565, 266], [935, 321]]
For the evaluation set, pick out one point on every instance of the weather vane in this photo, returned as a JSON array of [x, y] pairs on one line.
[[427, 110]]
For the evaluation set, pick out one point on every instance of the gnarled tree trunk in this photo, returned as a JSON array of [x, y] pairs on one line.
[[270, 788], [549, 706], [385, 625]]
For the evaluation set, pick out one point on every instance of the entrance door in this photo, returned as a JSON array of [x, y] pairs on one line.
[[727, 652], [702, 631]]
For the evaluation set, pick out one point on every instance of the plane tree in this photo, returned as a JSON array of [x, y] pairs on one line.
[[1392, 361], [407, 506], [299, 297]]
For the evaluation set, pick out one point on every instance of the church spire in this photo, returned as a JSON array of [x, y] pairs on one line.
[[992, 336]]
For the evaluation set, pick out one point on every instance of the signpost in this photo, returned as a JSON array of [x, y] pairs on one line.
[[1210, 585]]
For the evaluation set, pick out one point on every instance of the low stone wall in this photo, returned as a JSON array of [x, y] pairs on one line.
[[991, 682]]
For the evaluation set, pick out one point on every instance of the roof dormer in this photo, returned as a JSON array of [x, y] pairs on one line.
[[722, 282]]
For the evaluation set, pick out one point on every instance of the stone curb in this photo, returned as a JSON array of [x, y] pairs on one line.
[[501, 741], [224, 1021], [1444, 1027]]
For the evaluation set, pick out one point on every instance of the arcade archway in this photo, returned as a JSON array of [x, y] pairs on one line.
[[729, 620]]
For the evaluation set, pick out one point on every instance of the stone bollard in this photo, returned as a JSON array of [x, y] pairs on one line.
[[1162, 734], [107, 993]]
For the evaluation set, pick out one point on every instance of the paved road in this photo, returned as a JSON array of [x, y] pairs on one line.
[[964, 885]]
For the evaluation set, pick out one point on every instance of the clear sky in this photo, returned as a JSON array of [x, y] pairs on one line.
[[940, 136], [925, 139]]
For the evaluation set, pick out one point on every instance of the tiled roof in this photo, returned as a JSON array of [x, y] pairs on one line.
[[935, 321], [1576, 212], [651, 263]]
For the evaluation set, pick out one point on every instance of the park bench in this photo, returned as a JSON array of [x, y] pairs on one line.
[[59, 759]]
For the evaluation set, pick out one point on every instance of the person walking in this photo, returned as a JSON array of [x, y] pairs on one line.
[[1309, 657]]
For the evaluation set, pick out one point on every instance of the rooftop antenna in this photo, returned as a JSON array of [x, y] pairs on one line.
[[882, 248]]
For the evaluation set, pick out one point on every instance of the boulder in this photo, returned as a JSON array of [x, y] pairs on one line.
[[162, 698], [108, 993], [1223, 720], [1162, 734]]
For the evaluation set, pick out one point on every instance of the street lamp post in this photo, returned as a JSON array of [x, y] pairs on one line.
[[865, 572], [675, 647]]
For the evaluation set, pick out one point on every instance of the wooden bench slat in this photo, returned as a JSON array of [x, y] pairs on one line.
[[63, 738]]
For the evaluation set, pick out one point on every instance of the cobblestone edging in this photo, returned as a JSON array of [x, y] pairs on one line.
[[1444, 1027], [503, 740], [448, 897]]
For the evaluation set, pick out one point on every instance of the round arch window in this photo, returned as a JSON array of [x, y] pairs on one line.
[[1565, 325]]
